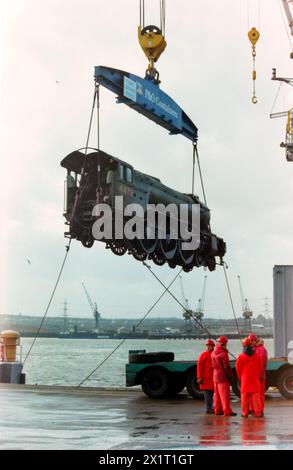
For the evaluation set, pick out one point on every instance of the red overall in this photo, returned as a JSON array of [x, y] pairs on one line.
[[263, 355], [222, 374], [248, 369], [205, 371]]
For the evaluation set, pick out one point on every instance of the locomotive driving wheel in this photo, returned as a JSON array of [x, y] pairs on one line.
[[198, 259], [168, 247], [157, 259], [186, 256], [137, 251], [117, 247]]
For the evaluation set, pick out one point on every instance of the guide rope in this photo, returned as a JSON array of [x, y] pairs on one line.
[[184, 308], [50, 301], [129, 335], [230, 296], [195, 152]]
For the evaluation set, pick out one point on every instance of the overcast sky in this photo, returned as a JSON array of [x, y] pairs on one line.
[[48, 52]]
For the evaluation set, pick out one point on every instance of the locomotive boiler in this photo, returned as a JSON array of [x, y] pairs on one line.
[[94, 177]]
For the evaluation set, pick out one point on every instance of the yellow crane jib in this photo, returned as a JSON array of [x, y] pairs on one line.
[[153, 44], [253, 36]]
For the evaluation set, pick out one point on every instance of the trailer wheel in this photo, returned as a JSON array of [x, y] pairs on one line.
[[176, 386], [285, 383], [193, 387], [150, 358], [155, 382]]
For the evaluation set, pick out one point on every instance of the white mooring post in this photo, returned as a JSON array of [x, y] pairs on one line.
[[283, 311]]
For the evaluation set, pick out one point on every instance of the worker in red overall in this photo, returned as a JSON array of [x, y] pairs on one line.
[[205, 375], [248, 368], [263, 355], [222, 376]]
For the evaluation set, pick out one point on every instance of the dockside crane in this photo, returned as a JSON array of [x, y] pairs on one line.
[[288, 144], [199, 313], [246, 311], [187, 312], [94, 307]]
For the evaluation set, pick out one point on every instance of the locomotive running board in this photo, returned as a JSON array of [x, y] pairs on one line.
[[146, 97]]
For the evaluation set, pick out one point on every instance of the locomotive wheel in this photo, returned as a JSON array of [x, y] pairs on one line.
[[148, 246], [168, 248], [172, 264], [187, 256], [198, 259], [158, 260], [187, 269], [212, 263], [137, 252], [118, 248], [87, 240]]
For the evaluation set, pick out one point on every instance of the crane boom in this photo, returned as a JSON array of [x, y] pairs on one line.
[[288, 12], [246, 311], [93, 306], [200, 306]]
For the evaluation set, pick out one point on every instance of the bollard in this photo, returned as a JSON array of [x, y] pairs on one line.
[[9, 340]]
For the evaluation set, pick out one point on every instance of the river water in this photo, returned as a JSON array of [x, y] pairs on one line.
[[68, 361]]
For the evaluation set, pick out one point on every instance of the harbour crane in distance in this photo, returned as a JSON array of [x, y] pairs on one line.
[[246, 311], [187, 312], [94, 307], [288, 144], [199, 313]]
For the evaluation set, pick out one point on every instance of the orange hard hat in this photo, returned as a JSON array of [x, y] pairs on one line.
[[246, 342], [222, 340], [210, 342]]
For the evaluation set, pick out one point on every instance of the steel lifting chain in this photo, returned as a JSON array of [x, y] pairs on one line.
[[253, 37]]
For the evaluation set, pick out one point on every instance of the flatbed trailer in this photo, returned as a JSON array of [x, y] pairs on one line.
[[161, 376]]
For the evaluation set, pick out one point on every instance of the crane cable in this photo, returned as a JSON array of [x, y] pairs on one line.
[[230, 296], [77, 198], [96, 99], [50, 301], [195, 153], [253, 36], [184, 308], [129, 335], [277, 96]]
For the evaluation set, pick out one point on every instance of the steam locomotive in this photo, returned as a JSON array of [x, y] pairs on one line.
[[94, 177]]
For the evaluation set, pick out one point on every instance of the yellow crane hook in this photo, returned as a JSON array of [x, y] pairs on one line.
[[253, 36]]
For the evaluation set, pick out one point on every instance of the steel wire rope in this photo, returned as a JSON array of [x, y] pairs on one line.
[[129, 335], [277, 95], [195, 152], [230, 297], [184, 308], [50, 301]]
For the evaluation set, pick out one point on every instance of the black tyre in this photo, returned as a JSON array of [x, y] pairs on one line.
[[176, 385], [193, 387], [151, 358], [285, 383], [155, 382]]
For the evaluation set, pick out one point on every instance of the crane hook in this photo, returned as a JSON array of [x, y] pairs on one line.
[[253, 36]]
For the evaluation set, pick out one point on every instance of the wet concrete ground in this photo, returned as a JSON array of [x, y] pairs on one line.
[[64, 418]]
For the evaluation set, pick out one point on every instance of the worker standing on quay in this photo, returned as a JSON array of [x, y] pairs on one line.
[[205, 375], [248, 368], [222, 376], [263, 355]]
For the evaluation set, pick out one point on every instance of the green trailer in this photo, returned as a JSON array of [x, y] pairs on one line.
[[161, 376]]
